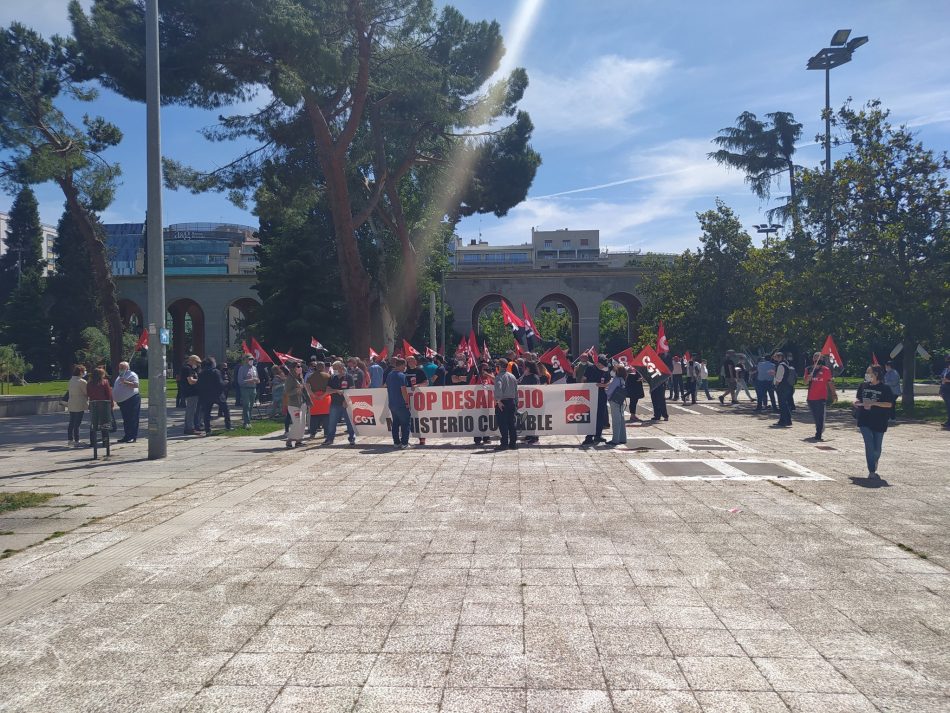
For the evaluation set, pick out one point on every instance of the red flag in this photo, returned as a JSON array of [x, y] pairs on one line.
[[592, 352], [373, 354], [260, 355], [688, 357], [463, 346], [530, 327], [485, 352], [408, 349], [556, 359], [651, 368], [473, 345], [510, 318], [831, 350], [518, 349], [383, 354], [142, 343], [625, 357], [430, 352], [284, 358], [314, 344], [662, 346], [874, 361], [244, 349]]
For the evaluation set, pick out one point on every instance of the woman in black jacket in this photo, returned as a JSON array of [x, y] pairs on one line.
[[634, 387]]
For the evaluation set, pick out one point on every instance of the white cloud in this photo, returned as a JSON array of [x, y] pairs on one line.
[[602, 96], [672, 180], [48, 17]]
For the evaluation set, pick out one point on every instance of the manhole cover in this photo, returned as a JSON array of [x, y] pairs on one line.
[[715, 469]]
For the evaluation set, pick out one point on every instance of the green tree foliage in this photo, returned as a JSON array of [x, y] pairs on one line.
[[492, 329], [386, 96], [887, 269], [13, 366], [696, 295], [24, 243], [71, 292], [25, 323], [763, 150], [40, 144], [613, 328], [554, 326]]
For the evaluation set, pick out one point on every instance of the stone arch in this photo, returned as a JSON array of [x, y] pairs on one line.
[[558, 298], [243, 308], [630, 303], [484, 302], [133, 318], [187, 320]]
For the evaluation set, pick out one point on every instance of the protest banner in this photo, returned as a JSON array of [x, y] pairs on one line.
[[468, 411]]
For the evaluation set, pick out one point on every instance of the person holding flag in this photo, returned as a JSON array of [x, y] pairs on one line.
[[599, 373], [820, 388], [531, 336], [512, 320]]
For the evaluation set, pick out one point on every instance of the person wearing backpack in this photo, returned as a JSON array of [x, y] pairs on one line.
[[785, 378]]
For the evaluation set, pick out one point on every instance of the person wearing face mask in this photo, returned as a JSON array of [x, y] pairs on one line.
[[873, 404], [126, 393]]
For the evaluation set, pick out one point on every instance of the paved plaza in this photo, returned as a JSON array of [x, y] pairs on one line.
[[714, 565]]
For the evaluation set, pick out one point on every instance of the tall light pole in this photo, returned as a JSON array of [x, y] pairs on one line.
[[157, 414], [839, 53], [767, 229]]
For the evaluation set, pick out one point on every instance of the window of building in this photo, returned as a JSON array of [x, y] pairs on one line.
[[585, 242], [565, 243], [549, 243]]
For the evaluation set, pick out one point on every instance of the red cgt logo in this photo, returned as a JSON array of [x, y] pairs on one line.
[[577, 408], [363, 410]]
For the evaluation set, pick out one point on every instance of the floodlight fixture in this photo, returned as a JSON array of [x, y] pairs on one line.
[[839, 38]]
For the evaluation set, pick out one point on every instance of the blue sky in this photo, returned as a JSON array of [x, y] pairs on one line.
[[623, 92]]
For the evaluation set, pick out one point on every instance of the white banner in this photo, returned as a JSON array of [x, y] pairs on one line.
[[460, 411]]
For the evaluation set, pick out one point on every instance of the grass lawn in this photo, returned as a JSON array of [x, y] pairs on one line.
[[58, 388], [259, 427], [15, 501], [933, 411]]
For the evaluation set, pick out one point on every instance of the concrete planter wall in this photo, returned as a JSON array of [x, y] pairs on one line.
[[29, 405]]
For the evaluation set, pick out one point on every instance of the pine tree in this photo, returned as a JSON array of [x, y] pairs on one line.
[[71, 290], [24, 243]]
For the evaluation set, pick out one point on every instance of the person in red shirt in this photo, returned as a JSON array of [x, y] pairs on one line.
[[818, 380]]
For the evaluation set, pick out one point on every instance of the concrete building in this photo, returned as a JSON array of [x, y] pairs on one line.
[[566, 270], [49, 237], [190, 249]]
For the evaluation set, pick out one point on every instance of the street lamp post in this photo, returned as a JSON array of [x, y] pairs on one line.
[[767, 229], [157, 408], [839, 53]]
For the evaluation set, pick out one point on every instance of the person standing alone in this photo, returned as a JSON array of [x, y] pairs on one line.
[[398, 392], [785, 378], [873, 406], [125, 391], [248, 379], [820, 385]]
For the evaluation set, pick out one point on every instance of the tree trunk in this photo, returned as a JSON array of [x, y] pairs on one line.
[[793, 196], [353, 275], [910, 372], [99, 262]]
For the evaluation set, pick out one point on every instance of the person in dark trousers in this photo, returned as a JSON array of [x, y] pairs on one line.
[[506, 406], [223, 408], [729, 378], [398, 392], [784, 386], [873, 404], [677, 380], [818, 380], [599, 374], [125, 391], [210, 386], [531, 377], [658, 399], [634, 388]]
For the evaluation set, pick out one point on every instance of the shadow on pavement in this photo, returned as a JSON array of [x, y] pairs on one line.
[[869, 482]]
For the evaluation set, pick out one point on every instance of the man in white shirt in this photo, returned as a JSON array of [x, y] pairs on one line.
[[125, 392]]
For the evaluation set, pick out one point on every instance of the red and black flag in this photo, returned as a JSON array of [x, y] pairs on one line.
[[260, 354], [651, 368], [557, 361], [142, 343], [511, 319], [830, 350], [531, 336]]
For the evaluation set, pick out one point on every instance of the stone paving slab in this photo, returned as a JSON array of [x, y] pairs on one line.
[[451, 578]]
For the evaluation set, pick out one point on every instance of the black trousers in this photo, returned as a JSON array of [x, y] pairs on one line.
[[75, 421], [677, 385], [817, 407], [603, 414], [507, 421], [658, 397], [225, 410]]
